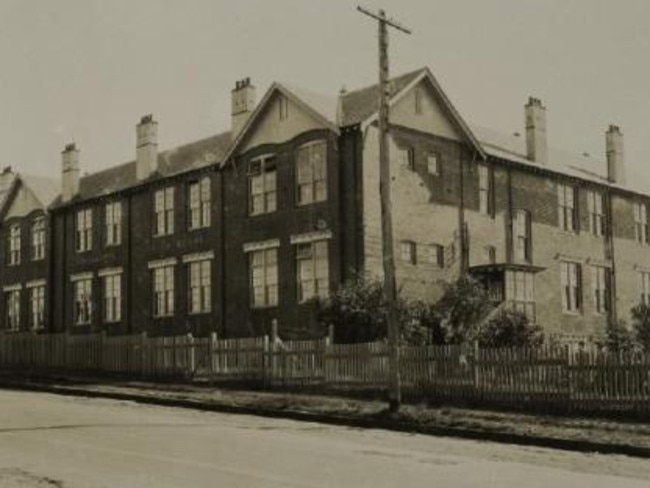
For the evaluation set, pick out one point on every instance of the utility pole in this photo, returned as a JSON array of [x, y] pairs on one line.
[[390, 287]]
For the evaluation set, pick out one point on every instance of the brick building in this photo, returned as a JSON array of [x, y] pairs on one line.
[[234, 231]]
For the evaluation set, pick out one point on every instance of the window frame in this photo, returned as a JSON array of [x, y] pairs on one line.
[[163, 301], [12, 299], [37, 307], [84, 230], [601, 286], [596, 210], [199, 286], [522, 236], [313, 256], [37, 242], [113, 223], [199, 203], [567, 203], [83, 302], [261, 168], [313, 183], [268, 271], [571, 286], [408, 251], [14, 245], [641, 233], [163, 204], [112, 298]]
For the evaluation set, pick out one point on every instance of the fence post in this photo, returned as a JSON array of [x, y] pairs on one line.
[[67, 354], [330, 333], [213, 346], [266, 361], [477, 386], [143, 353], [190, 357]]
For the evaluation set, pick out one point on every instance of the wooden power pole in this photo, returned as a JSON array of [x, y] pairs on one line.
[[390, 287]]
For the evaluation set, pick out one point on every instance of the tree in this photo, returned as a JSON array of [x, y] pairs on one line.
[[641, 324], [510, 328], [618, 337]]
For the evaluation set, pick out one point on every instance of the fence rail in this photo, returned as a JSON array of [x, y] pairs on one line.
[[565, 377]]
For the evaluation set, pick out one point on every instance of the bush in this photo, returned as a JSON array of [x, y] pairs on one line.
[[641, 324], [456, 317], [618, 337], [358, 312], [510, 329]]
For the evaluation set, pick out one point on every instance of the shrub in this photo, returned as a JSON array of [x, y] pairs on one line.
[[358, 312], [457, 315], [618, 337], [510, 329], [641, 324]]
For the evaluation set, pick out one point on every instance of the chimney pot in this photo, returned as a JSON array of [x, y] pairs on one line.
[[536, 142], [146, 159], [70, 171], [243, 104], [615, 155]]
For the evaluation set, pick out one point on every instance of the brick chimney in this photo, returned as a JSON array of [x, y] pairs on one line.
[[243, 104], [146, 160], [536, 143], [615, 155], [70, 171]]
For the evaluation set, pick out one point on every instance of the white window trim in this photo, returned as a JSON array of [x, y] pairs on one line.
[[16, 287], [261, 245], [81, 276], [198, 256], [162, 263], [310, 237], [35, 283], [109, 272]]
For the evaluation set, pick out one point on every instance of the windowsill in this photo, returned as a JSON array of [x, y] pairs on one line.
[[202, 312], [316, 202], [203, 227], [83, 251], [36, 260], [261, 214], [82, 324], [263, 307], [155, 236], [572, 313]]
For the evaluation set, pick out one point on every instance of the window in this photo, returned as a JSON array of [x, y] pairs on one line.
[[163, 291], [641, 222], [408, 251], [433, 165], [38, 239], [491, 254], [262, 191], [566, 207], [13, 255], [83, 301], [409, 154], [199, 203], [596, 213], [112, 285], [200, 289], [164, 212], [418, 100], [283, 107], [520, 291], [521, 234], [600, 286], [37, 306], [571, 281], [264, 277], [311, 173], [12, 304], [644, 286], [312, 264], [113, 223], [437, 255], [485, 189], [84, 232]]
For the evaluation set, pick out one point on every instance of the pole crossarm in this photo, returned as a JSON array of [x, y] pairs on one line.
[[381, 17]]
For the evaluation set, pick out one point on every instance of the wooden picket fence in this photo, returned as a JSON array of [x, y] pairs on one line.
[[563, 377]]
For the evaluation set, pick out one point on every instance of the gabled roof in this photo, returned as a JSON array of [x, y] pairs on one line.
[[173, 161], [320, 106], [362, 106], [45, 189]]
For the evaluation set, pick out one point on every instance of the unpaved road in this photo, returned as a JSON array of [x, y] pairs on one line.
[[53, 441]]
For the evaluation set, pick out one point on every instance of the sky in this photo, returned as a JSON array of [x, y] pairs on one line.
[[87, 70]]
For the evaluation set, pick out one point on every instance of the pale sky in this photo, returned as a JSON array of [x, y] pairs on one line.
[[86, 70]]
